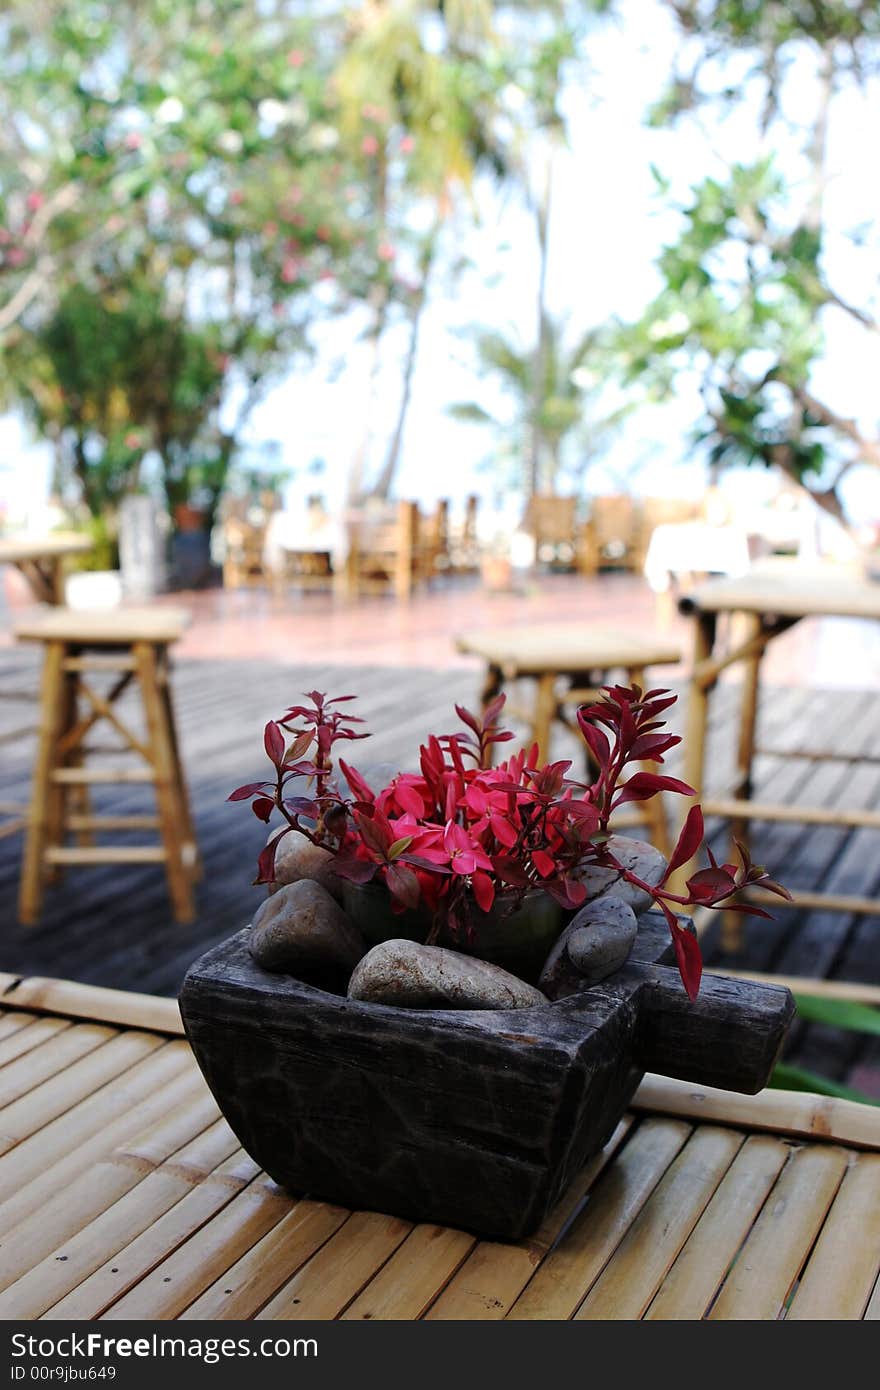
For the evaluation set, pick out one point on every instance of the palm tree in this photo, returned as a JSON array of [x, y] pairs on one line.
[[548, 410]]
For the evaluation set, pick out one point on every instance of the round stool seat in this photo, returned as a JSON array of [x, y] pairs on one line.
[[565, 648]]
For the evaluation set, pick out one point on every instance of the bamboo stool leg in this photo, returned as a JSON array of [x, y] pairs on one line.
[[75, 798], [51, 718], [190, 841], [167, 797], [544, 712], [492, 686], [60, 798]]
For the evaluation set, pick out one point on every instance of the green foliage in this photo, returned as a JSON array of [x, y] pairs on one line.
[[839, 1013], [112, 375], [832, 1013], [566, 408], [745, 285], [256, 166], [788, 1078]]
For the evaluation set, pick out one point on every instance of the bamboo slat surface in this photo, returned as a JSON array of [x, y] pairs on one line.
[[124, 1194]]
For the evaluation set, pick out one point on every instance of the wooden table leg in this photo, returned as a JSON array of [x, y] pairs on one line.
[[731, 924], [696, 724], [51, 716], [171, 826]]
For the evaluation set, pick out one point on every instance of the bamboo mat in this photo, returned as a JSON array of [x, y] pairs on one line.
[[124, 1194]]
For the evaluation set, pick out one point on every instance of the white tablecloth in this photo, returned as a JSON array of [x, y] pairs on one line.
[[297, 531], [693, 547]]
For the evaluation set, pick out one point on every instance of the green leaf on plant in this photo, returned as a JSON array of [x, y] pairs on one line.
[[399, 846]]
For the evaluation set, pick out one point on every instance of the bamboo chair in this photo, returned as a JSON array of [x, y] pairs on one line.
[[434, 540], [611, 536], [243, 543], [464, 545], [552, 521], [385, 551]]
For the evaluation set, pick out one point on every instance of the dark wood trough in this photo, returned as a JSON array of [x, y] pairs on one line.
[[477, 1119]]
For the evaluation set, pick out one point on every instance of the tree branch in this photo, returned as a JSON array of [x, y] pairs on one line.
[[868, 449]]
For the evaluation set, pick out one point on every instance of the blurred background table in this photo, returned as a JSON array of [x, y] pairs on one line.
[[42, 560], [760, 607]]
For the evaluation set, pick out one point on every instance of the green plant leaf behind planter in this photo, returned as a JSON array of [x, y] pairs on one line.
[[838, 1013], [788, 1078], [833, 1013]]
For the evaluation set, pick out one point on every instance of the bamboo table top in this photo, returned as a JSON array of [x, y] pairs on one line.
[[124, 1195], [15, 549], [41, 560], [786, 590]]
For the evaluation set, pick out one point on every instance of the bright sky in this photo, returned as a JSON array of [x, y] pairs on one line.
[[605, 235]]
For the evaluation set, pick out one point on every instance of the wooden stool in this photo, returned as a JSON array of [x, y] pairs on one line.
[[583, 657], [132, 643]]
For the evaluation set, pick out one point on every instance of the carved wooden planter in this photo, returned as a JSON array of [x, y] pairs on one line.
[[476, 1119]]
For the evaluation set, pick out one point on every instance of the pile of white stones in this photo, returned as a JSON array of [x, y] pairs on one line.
[[302, 930]]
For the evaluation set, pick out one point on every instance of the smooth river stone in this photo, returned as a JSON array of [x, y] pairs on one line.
[[595, 944], [413, 976], [639, 858], [302, 931], [297, 858]]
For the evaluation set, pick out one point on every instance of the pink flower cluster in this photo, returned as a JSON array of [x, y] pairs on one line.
[[459, 834]]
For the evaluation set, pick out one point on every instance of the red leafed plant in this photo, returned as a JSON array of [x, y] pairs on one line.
[[458, 833]]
